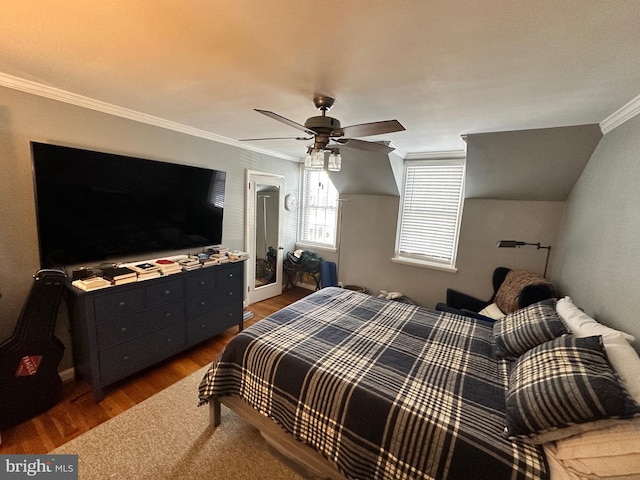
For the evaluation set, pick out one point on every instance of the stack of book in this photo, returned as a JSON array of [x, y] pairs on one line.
[[119, 275], [91, 283], [146, 270], [237, 255], [168, 267], [220, 257], [189, 263], [207, 260]]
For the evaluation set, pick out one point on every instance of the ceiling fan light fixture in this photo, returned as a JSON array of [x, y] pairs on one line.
[[314, 159], [335, 161], [307, 159]]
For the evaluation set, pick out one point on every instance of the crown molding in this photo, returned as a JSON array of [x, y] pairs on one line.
[[436, 155], [35, 88], [627, 112]]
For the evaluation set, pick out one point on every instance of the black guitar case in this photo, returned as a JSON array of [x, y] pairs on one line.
[[29, 380]]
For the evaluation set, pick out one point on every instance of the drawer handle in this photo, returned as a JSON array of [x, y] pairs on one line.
[[230, 314], [167, 314], [230, 275], [123, 329], [231, 294], [203, 325], [202, 283], [121, 304], [167, 292], [169, 340], [203, 303], [125, 358]]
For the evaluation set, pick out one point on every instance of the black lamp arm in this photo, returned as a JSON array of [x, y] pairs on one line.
[[517, 243]]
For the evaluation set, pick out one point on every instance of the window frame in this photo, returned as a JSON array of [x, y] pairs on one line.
[[302, 209], [422, 259]]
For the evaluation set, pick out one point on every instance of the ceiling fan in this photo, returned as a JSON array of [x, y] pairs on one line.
[[329, 135]]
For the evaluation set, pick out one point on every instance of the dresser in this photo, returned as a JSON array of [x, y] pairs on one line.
[[120, 330]]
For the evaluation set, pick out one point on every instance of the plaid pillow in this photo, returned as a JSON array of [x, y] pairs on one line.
[[524, 329], [564, 387]]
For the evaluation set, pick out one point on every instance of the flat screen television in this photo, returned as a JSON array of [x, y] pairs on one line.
[[95, 207]]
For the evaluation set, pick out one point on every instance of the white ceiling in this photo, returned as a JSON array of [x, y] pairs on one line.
[[442, 68]]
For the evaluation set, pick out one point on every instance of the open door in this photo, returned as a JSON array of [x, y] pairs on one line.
[[263, 235]]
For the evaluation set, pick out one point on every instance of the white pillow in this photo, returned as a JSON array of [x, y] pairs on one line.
[[622, 356], [581, 324], [625, 361], [492, 311]]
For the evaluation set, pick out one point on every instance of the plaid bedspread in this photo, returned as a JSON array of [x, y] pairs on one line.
[[382, 389]]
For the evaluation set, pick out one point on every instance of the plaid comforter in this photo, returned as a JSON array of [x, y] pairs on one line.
[[381, 388]]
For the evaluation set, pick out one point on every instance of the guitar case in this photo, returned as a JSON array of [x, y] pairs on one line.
[[29, 379]]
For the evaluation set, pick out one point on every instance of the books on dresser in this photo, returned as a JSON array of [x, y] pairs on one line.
[[91, 283], [189, 263], [237, 255], [144, 267], [119, 275], [168, 267]]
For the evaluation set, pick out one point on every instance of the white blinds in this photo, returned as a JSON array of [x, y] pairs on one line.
[[319, 209], [431, 208]]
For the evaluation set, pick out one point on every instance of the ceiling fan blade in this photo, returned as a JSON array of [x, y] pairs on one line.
[[274, 138], [373, 128], [363, 145], [286, 121]]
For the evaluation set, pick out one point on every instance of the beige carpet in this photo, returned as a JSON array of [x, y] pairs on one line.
[[167, 437]]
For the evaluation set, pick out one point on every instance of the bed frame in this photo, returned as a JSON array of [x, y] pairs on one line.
[[295, 454]]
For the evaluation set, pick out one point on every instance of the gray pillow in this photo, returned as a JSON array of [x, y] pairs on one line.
[[564, 387], [526, 328]]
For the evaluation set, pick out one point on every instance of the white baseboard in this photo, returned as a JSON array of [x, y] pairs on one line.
[[67, 375]]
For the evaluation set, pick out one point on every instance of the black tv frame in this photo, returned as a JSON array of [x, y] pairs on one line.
[[96, 207]]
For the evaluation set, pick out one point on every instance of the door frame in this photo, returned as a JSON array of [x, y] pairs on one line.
[[253, 177]]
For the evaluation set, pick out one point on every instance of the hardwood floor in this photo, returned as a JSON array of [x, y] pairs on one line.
[[77, 412]]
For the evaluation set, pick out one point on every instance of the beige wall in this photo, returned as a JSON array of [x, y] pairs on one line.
[[25, 117], [368, 242]]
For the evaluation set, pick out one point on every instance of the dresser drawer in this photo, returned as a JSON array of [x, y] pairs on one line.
[[210, 301], [120, 360], [209, 324], [123, 329], [120, 301], [166, 291], [230, 276], [202, 282]]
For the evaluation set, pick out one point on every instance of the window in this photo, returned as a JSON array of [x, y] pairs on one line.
[[430, 212], [319, 210]]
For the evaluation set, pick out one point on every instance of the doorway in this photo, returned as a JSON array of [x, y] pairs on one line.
[[263, 235]]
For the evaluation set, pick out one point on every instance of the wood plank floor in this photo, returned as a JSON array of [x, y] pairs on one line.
[[77, 412]]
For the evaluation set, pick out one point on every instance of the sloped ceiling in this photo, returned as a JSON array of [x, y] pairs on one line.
[[541, 164], [366, 173]]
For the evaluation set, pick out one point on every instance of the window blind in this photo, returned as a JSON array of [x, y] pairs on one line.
[[318, 221], [430, 212]]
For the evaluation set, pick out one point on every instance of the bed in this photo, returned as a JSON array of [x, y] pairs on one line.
[[354, 386]]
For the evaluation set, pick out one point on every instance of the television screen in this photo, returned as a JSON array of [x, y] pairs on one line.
[[95, 207]]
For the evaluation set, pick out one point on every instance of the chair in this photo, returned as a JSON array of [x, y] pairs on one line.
[[512, 290], [307, 264]]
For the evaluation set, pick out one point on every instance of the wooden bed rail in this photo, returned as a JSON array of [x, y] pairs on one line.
[[298, 456]]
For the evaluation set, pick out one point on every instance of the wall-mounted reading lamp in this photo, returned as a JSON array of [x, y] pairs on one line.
[[516, 243]]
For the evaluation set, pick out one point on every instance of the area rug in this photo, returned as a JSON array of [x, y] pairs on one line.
[[167, 437]]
